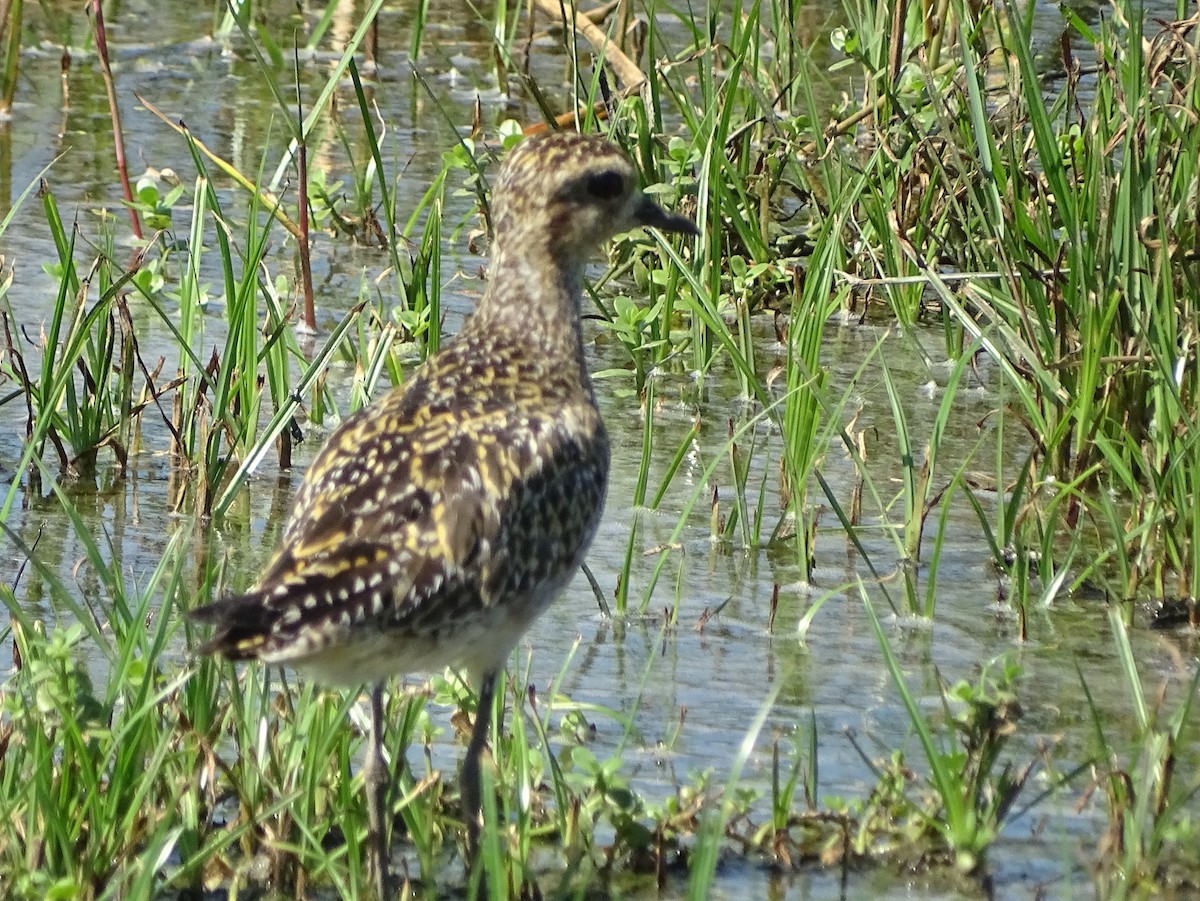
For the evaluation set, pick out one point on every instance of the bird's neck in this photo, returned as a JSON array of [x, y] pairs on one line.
[[534, 298]]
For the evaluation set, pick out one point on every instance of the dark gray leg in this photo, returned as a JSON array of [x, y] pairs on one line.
[[470, 791], [377, 784]]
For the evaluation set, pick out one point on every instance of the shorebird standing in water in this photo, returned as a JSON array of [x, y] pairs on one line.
[[437, 524]]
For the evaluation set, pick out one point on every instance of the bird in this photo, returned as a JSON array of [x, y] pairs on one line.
[[436, 524]]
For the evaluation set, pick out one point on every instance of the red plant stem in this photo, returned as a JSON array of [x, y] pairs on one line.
[[65, 76], [118, 139]]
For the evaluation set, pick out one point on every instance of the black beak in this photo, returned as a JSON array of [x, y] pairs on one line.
[[651, 215]]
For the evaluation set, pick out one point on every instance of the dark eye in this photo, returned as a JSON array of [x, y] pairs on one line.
[[607, 185]]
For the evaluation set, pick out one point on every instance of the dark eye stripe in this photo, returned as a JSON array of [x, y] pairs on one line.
[[607, 185]]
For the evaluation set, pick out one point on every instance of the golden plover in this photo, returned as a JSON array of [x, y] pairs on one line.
[[438, 523]]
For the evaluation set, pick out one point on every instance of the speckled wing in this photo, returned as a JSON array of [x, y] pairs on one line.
[[412, 524]]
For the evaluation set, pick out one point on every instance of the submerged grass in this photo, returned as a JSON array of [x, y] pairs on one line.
[[1052, 240]]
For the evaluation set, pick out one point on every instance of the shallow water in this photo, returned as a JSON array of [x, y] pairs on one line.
[[721, 673]]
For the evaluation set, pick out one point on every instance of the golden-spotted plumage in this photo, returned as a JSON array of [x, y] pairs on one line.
[[437, 524], [461, 496]]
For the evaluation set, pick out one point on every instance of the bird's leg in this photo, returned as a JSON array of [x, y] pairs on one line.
[[469, 779], [377, 795]]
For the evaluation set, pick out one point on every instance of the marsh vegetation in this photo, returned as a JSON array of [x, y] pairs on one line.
[[898, 575]]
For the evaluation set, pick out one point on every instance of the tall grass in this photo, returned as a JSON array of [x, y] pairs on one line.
[[1052, 237], [76, 415], [1152, 836]]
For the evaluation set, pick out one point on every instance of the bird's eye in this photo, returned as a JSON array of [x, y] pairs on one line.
[[606, 185]]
